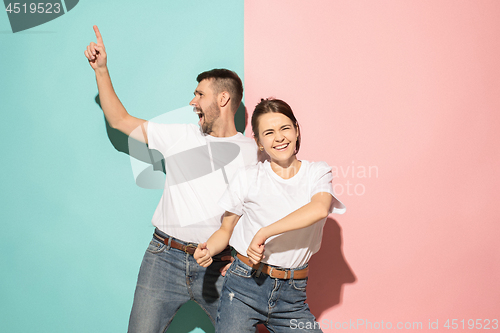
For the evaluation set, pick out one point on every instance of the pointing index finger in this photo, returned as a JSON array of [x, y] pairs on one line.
[[98, 35]]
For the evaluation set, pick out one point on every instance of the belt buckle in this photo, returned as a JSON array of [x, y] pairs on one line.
[[279, 270], [189, 245]]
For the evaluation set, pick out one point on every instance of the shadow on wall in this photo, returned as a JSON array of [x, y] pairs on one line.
[[241, 118], [328, 272], [120, 142]]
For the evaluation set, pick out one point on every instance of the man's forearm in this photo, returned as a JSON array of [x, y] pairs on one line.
[[113, 109]]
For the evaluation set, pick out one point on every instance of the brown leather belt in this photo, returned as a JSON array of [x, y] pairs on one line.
[[276, 273], [188, 248]]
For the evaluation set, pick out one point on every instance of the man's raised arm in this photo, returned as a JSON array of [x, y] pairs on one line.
[[115, 113]]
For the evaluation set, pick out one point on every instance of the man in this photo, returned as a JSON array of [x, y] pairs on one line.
[[198, 165]]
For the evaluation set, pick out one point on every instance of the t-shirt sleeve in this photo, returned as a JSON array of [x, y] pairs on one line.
[[163, 136], [233, 198], [322, 182]]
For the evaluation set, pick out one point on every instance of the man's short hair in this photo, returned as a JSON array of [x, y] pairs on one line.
[[225, 80]]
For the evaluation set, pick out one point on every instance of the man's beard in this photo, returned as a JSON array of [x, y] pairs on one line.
[[214, 114]]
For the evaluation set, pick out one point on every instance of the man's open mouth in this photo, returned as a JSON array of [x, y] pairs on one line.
[[199, 113]]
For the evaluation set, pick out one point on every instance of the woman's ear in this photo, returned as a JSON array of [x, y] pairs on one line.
[[261, 148]]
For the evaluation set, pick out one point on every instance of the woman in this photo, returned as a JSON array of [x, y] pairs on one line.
[[275, 213]]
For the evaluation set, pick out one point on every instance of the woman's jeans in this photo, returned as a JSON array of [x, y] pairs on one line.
[[249, 298]]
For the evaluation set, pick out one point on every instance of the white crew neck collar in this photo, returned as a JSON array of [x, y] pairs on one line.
[[221, 138], [303, 165]]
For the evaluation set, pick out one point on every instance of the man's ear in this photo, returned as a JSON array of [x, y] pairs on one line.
[[224, 99]]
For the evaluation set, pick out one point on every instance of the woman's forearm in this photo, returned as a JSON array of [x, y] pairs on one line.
[[220, 239], [303, 217]]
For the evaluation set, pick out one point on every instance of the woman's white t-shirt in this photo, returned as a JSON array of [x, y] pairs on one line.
[[261, 197]]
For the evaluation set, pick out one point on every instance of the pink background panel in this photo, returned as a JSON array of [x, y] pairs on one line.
[[410, 91]]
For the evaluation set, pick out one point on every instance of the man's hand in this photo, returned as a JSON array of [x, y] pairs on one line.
[[96, 53], [255, 250], [202, 255]]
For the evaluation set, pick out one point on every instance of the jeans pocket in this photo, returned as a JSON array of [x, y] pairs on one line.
[[300, 285], [156, 246], [240, 269]]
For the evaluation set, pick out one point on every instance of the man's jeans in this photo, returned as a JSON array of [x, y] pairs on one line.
[[168, 278], [248, 299]]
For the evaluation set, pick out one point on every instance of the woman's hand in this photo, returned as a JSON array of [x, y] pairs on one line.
[[256, 248], [202, 255]]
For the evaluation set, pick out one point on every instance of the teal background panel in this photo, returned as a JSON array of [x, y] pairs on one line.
[[74, 224]]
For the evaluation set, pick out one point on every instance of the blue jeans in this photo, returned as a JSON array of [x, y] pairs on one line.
[[248, 300], [168, 278]]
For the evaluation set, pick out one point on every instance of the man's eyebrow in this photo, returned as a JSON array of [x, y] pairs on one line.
[[198, 92]]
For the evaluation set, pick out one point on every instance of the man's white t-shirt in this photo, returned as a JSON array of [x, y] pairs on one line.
[[198, 168], [261, 197]]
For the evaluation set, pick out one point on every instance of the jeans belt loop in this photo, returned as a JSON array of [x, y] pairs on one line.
[[169, 243]]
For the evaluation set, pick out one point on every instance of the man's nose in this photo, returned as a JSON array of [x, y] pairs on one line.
[[193, 102]]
